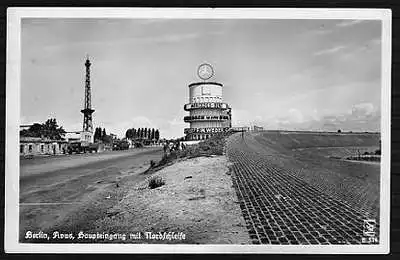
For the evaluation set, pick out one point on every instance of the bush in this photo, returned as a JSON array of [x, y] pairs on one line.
[[156, 182], [167, 158], [152, 164]]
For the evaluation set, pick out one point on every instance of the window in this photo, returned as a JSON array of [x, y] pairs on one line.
[[30, 148], [41, 148], [21, 148]]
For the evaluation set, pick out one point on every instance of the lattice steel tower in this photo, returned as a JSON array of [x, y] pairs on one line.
[[87, 110]]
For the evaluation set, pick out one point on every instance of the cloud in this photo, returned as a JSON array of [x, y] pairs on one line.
[[176, 37], [295, 115], [362, 49], [321, 30], [242, 117], [173, 127], [362, 110], [375, 41], [360, 117], [348, 23], [50, 50], [329, 51]]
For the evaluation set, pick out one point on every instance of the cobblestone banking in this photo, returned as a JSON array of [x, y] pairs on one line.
[[280, 207]]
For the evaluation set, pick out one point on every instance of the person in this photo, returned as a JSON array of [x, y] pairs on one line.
[[165, 148]]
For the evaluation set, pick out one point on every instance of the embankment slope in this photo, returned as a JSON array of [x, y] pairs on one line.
[[297, 154]]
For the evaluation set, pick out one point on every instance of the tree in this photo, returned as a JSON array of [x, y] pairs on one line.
[[379, 151], [34, 130], [157, 135], [103, 135], [134, 133], [339, 131], [49, 129], [145, 133], [97, 134], [129, 133], [152, 134], [52, 130], [107, 139]]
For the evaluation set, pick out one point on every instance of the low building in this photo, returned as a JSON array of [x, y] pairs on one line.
[[41, 146], [240, 129], [257, 128]]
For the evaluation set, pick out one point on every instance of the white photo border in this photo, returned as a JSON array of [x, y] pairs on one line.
[[13, 73]]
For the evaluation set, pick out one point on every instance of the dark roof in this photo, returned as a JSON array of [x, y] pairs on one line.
[[204, 83]]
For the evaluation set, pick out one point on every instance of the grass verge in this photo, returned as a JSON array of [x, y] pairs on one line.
[[207, 148]]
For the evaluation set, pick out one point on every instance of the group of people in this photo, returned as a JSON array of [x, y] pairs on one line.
[[170, 146]]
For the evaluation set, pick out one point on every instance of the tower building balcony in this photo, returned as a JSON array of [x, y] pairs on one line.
[[216, 105], [205, 118], [209, 130]]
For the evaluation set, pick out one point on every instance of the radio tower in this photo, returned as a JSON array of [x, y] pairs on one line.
[[87, 111]]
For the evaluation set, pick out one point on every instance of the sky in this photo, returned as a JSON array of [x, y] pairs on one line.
[[321, 75]]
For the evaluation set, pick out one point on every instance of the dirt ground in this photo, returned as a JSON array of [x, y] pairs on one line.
[[197, 200]]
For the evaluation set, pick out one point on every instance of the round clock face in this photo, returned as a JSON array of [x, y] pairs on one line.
[[205, 71]]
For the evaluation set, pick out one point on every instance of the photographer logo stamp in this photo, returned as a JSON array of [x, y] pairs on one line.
[[369, 231]]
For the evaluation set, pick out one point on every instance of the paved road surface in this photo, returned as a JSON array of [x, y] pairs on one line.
[[280, 207], [68, 193]]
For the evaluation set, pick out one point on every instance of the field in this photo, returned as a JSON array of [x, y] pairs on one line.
[[294, 140], [292, 193]]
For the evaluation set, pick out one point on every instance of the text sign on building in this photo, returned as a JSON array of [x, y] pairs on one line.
[[205, 90], [206, 105], [206, 130]]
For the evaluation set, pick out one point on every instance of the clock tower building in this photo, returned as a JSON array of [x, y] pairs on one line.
[[208, 113]]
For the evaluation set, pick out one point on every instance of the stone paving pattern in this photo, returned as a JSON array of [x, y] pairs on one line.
[[281, 208]]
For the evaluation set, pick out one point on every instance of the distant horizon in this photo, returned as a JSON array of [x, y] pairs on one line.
[[264, 130], [295, 75]]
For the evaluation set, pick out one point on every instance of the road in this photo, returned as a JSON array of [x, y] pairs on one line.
[[68, 193]]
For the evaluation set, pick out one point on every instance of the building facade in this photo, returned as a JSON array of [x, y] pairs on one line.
[[208, 113], [257, 128], [41, 146]]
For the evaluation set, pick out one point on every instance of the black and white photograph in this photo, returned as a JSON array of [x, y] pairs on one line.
[[209, 130]]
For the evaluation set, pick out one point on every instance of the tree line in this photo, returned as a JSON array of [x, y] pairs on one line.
[[142, 134], [50, 129], [100, 135]]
